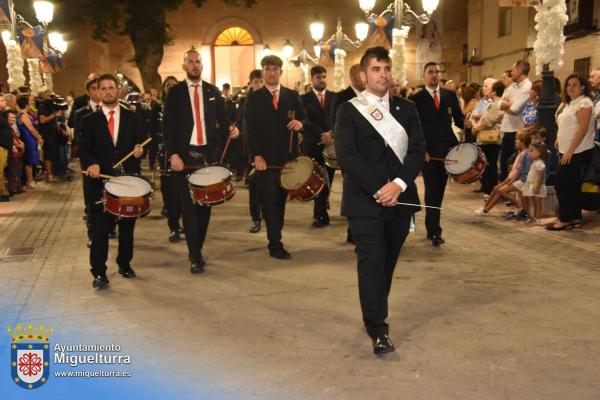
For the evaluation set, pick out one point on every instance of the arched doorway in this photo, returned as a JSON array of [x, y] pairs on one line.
[[233, 54]]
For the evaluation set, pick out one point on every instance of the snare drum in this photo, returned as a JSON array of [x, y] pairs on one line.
[[330, 157], [211, 185], [465, 163], [127, 196], [302, 178]]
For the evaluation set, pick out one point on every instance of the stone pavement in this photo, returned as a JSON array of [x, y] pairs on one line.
[[502, 311]]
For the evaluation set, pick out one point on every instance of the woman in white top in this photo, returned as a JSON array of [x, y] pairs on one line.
[[575, 141]]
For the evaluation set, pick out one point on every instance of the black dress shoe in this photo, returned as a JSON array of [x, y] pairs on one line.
[[437, 240], [255, 227], [127, 272], [382, 345], [197, 266], [349, 237], [100, 281], [280, 254], [89, 243], [174, 237], [320, 223], [163, 212]]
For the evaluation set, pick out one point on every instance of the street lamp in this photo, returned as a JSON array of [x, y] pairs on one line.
[[57, 42], [288, 49], [44, 11], [402, 13]]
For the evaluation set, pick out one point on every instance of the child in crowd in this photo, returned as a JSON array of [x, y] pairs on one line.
[[516, 178], [535, 189]]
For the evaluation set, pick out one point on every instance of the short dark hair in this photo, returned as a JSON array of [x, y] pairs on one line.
[[524, 65], [271, 60], [583, 81], [255, 74], [498, 88], [10, 111], [23, 101], [429, 64], [107, 77], [226, 86], [316, 70], [379, 53], [167, 79]]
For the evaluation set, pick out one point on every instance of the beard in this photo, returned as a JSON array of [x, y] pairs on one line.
[[193, 75]]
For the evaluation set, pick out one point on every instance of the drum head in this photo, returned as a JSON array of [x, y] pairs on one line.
[[296, 172], [127, 186], [209, 176], [465, 154]]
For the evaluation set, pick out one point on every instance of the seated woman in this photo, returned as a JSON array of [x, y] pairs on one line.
[[515, 179]]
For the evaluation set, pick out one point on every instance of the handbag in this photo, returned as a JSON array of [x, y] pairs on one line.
[[489, 136]]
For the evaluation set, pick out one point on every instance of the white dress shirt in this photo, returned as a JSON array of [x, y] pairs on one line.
[[430, 91], [116, 117], [192, 89], [568, 125], [319, 94], [94, 105], [517, 94], [385, 103]]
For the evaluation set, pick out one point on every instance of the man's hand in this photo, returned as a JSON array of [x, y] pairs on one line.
[[426, 157], [176, 162], [327, 138], [388, 194], [93, 171], [294, 125], [138, 151], [234, 132], [260, 164]]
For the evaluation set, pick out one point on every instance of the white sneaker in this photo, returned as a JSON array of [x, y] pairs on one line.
[[480, 211]]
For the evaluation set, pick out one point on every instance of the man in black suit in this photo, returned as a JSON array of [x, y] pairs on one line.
[[437, 108], [269, 126], [381, 149], [81, 101], [318, 103], [94, 104], [107, 136], [195, 126]]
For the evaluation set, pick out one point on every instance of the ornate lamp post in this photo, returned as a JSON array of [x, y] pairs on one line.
[[342, 42], [404, 18], [44, 13]]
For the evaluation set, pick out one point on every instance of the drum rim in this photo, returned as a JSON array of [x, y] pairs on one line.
[[473, 163], [226, 179], [140, 178], [302, 156]]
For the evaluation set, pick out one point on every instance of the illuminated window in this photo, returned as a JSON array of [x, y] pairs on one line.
[[234, 36]]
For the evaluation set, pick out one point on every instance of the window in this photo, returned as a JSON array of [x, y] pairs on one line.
[[234, 36], [582, 66], [505, 21]]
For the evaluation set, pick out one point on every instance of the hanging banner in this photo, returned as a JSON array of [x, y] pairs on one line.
[[31, 41], [519, 3]]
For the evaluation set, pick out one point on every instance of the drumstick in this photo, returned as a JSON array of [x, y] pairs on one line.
[[225, 150], [442, 159], [130, 154], [418, 205], [104, 176]]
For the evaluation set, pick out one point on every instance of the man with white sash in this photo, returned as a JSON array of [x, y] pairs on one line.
[[381, 148]]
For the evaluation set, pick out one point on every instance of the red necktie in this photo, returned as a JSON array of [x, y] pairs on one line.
[[322, 100], [197, 112], [111, 124], [436, 99], [274, 92]]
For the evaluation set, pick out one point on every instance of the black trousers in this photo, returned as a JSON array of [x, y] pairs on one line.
[[568, 186], [101, 224], [195, 217], [435, 179], [87, 200], [254, 201], [171, 200], [378, 243], [273, 198], [489, 179], [322, 200], [507, 149]]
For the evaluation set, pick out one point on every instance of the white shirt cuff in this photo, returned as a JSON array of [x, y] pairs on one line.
[[402, 184]]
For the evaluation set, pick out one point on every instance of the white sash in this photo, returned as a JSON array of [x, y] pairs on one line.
[[392, 132]]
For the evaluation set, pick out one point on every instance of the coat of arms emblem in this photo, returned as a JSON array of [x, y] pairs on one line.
[[30, 355]]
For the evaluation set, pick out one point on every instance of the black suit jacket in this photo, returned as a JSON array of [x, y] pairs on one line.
[[437, 124], [339, 99], [78, 103], [320, 121], [368, 163], [96, 145], [266, 128], [77, 120], [178, 121]]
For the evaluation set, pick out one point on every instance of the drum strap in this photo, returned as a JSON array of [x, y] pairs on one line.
[[392, 132]]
